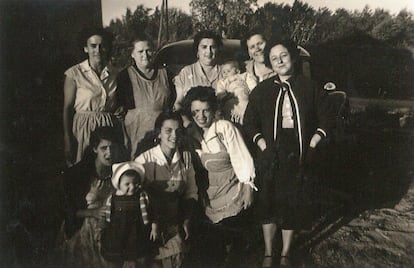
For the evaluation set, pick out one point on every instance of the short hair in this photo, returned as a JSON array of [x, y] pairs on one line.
[[151, 137], [248, 35], [200, 93], [291, 47], [87, 32], [103, 133], [209, 35], [141, 37], [234, 62], [164, 116]]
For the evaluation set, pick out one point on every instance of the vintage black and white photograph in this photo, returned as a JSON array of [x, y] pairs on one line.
[[206, 133]]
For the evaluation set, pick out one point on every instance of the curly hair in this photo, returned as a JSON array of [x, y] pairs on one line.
[[200, 93]]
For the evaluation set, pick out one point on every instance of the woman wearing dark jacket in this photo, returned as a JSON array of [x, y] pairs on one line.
[[286, 118], [86, 186]]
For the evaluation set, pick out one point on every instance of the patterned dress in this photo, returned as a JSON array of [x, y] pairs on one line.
[[83, 248]]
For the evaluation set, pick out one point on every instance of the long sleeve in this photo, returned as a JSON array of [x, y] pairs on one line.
[[251, 122], [240, 157]]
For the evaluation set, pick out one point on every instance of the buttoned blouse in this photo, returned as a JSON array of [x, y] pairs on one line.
[[93, 93], [193, 75]]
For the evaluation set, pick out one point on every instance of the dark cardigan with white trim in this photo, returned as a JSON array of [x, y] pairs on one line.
[[312, 108]]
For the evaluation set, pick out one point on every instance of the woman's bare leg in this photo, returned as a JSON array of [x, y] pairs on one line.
[[287, 237], [269, 231]]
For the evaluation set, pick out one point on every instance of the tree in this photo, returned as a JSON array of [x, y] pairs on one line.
[[227, 17]]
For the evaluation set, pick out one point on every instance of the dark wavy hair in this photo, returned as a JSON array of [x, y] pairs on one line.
[[87, 32], [151, 137], [209, 35], [200, 93], [102, 133], [291, 47]]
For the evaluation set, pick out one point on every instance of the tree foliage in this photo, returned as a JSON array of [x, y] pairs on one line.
[[227, 17]]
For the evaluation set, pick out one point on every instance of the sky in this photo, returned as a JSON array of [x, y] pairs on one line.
[[116, 8]]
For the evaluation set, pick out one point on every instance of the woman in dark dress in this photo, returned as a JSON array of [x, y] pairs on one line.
[[286, 118]]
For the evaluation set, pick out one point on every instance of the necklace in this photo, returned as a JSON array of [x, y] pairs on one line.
[[213, 72]]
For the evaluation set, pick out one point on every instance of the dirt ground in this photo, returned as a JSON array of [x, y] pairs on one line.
[[381, 237]]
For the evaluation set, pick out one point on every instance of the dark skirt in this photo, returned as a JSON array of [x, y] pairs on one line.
[[282, 197]]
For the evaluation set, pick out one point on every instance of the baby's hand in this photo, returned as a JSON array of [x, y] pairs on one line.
[[154, 232]]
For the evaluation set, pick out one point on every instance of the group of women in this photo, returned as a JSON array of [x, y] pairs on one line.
[[202, 172]]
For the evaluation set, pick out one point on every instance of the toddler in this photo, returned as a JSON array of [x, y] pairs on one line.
[[130, 231], [233, 84]]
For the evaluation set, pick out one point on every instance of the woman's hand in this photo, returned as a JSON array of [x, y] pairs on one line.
[[97, 185], [261, 143], [247, 196], [120, 113], [316, 138], [186, 228], [99, 213], [154, 232]]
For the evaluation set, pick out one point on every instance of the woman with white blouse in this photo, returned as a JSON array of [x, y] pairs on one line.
[[89, 95]]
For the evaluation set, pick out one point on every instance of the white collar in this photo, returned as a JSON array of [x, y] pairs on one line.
[[85, 67], [160, 157]]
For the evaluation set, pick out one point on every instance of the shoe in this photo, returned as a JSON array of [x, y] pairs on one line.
[[267, 262], [285, 262]]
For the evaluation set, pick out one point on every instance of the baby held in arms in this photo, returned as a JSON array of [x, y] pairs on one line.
[[233, 85]]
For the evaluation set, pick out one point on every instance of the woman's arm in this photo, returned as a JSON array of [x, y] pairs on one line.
[[98, 213], [69, 91], [179, 91], [251, 121]]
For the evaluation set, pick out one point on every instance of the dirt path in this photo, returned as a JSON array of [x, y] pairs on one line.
[[376, 238]]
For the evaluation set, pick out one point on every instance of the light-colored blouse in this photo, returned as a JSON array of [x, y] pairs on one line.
[[231, 138], [191, 76], [168, 177], [93, 93], [251, 78]]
